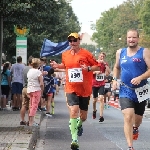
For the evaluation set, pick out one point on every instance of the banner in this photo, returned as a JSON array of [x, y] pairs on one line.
[[51, 49]]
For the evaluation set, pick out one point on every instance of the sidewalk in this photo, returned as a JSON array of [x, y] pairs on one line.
[[16, 137]]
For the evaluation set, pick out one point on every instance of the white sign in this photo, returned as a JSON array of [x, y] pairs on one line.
[[21, 51], [21, 48]]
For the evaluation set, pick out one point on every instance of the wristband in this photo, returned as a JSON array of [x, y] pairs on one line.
[[114, 78]]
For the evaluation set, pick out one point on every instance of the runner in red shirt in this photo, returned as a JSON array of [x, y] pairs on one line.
[[98, 86]]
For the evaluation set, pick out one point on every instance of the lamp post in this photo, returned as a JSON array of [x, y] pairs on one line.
[[1, 44]]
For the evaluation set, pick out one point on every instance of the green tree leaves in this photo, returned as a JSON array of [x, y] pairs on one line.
[[52, 19]]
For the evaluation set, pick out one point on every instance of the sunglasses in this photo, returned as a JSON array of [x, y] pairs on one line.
[[75, 40]]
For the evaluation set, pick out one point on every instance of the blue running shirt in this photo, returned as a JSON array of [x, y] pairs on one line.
[[131, 67]]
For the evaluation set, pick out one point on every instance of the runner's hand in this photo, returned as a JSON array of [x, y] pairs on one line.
[[54, 64], [84, 67], [136, 81], [114, 85]]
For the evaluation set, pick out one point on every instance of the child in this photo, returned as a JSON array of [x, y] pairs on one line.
[[49, 89], [34, 89]]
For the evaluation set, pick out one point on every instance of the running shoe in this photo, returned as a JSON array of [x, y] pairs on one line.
[[80, 130], [101, 119], [94, 114], [43, 109], [75, 145], [135, 133], [48, 114], [105, 106], [108, 106], [130, 148], [23, 123]]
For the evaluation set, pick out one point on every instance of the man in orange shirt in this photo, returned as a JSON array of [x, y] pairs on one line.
[[79, 64]]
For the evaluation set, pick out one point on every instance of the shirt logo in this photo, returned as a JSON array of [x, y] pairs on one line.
[[136, 60], [123, 57]]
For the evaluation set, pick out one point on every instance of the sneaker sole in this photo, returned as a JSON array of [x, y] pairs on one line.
[[74, 146]]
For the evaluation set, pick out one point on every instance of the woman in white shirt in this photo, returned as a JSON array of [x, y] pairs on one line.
[[34, 88]]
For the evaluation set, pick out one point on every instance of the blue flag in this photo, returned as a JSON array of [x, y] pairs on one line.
[[50, 48]]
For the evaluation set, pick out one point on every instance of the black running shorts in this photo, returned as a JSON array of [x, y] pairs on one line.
[[98, 90], [139, 108], [73, 99]]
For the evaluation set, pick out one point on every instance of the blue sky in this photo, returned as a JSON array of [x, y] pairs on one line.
[[89, 11]]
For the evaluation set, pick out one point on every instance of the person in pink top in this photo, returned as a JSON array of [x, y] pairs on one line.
[[34, 89]]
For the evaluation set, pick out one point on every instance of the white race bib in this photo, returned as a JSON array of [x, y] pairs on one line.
[[100, 77], [143, 93], [75, 75], [107, 85]]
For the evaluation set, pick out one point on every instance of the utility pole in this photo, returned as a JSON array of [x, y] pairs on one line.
[[1, 45]]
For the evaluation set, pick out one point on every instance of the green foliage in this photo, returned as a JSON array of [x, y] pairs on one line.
[[91, 48], [112, 26], [45, 19]]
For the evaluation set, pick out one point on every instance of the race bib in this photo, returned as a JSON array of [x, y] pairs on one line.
[[143, 93], [100, 77], [75, 75], [107, 85]]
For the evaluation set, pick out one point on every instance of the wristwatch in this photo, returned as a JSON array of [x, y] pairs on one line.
[[89, 68], [114, 78]]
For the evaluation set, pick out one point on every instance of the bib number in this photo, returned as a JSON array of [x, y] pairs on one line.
[[100, 77], [75, 75], [107, 85], [143, 93]]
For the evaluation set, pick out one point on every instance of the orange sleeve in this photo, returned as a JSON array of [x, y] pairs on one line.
[[92, 61]]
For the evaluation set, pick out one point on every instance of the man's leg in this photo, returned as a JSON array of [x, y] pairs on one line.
[[25, 106], [83, 105], [127, 107], [73, 105], [139, 111], [95, 99], [101, 97], [128, 125]]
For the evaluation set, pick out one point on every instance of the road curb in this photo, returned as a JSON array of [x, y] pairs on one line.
[[35, 133]]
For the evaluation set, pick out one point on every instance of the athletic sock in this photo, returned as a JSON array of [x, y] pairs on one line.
[[79, 122], [73, 128]]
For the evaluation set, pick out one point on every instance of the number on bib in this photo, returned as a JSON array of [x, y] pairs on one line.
[[107, 85], [75, 75], [100, 77], [143, 93]]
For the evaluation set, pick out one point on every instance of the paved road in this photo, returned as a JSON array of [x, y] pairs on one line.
[[55, 134]]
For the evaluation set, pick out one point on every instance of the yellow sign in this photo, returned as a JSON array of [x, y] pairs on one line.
[[21, 32]]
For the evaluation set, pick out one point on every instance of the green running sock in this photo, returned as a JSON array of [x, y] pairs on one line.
[[79, 122], [52, 104], [73, 128]]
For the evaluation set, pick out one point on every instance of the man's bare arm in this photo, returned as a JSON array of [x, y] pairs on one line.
[[116, 69], [146, 56]]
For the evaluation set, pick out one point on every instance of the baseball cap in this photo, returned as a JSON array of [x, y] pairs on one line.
[[75, 35]]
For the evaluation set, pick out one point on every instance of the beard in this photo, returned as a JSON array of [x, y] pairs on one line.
[[133, 46]]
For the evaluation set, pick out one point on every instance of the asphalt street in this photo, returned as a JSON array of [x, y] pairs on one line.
[[109, 135]]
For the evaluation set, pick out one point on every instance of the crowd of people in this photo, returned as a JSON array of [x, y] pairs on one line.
[[34, 86], [29, 88]]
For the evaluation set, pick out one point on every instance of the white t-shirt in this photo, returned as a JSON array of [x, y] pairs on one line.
[[33, 81], [17, 72]]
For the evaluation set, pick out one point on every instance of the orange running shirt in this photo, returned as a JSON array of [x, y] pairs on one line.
[[71, 62]]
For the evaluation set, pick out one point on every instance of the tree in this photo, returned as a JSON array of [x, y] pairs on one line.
[[45, 18]]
